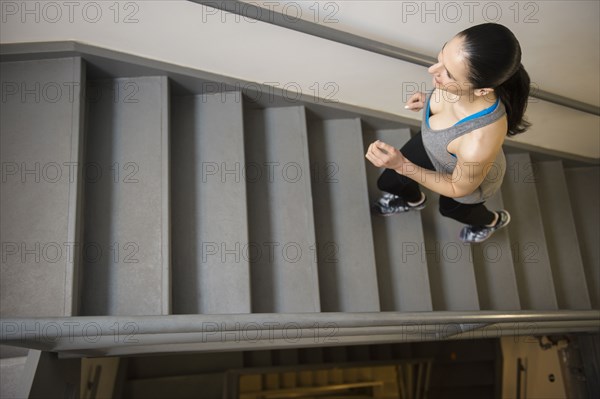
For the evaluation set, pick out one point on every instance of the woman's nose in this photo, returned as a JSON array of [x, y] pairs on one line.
[[432, 69]]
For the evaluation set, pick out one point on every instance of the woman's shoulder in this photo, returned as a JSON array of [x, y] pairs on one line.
[[484, 142]]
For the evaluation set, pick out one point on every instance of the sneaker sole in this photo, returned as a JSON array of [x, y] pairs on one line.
[[493, 231], [377, 213], [507, 221]]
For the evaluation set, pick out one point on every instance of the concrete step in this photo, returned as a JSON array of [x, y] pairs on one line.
[[11, 381], [449, 260], [281, 225], [347, 273], [208, 192], [40, 194], [8, 351], [561, 236], [494, 268], [526, 231], [399, 244], [585, 199], [126, 224], [45, 375]]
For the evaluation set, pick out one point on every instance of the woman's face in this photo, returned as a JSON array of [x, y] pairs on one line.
[[450, 72]]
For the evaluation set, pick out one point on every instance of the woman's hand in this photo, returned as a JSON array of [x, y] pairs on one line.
[[416, 102], [384, 155]]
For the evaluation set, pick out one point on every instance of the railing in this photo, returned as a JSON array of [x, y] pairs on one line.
[[121, 335], [254, 11]]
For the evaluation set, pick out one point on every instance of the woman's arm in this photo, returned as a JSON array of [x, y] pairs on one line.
[[466, 177], [475, 158], [384, 155]]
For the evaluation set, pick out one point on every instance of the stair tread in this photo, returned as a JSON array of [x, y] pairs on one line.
[[210, 220], [449, 261], [8, 351], [127, 128], [281, 226], [399, 244], [347, 274], [584, 197], [12, 372], [41, 137], [494, 268], [526, 231], [561, 236]]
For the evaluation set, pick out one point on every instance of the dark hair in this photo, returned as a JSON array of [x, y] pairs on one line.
[[493, 56]]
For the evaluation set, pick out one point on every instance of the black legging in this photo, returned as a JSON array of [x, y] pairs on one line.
[[395, 183]]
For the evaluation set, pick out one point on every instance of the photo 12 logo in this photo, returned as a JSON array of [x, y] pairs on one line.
[[268, 252], [66, 172], [271, 331], [52, 92], [54, 332], [52, 12], [469, 11], [268, 11], [38, 252]]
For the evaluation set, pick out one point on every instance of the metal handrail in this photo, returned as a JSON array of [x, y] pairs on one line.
[[120, 335], [254, 11], [191, 323]]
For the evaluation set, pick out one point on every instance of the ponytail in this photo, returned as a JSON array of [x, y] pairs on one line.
[[514, 94]]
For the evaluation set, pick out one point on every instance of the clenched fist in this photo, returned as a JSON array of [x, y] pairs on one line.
[[386, 156]]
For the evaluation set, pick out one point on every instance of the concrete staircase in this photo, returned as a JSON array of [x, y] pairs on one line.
[[124, 197]]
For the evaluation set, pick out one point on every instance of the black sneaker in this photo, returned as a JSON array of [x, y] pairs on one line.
[[477, 234], [390, 204]]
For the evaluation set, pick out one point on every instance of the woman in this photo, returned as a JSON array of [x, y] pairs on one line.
[[480, 96]]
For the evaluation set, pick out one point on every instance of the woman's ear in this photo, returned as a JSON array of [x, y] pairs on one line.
[[483, 92]]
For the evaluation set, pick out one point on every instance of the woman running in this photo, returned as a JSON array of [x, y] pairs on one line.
[[479, 97]]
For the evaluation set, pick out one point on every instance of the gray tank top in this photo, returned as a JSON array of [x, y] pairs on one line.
[[436, 142]]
